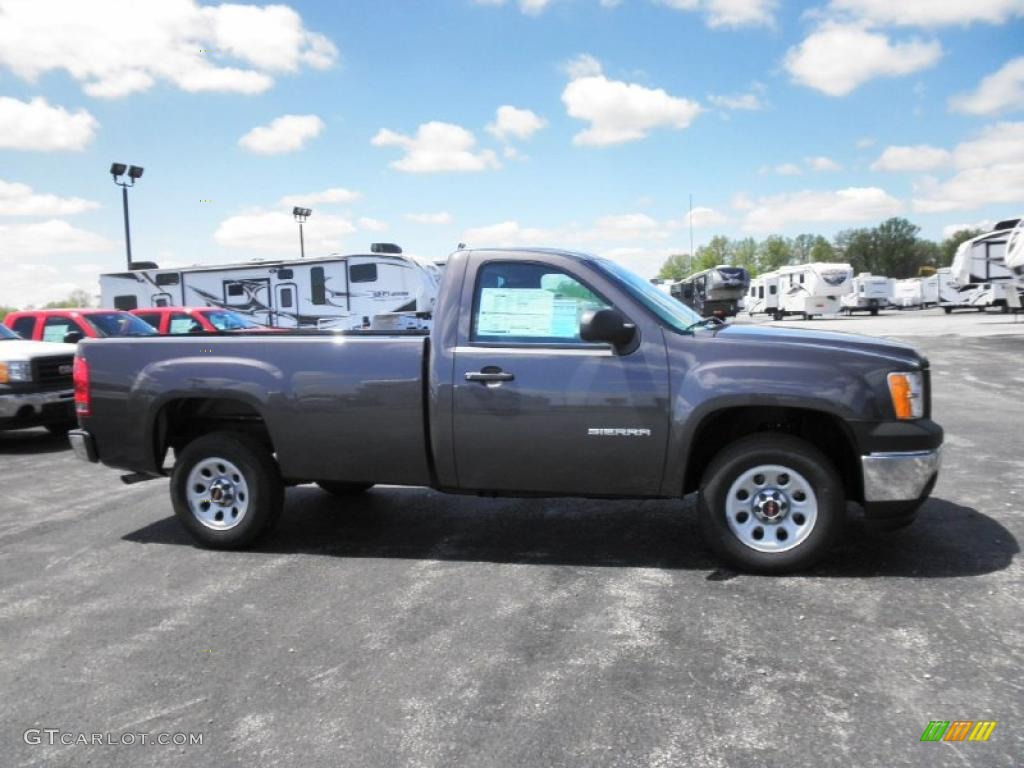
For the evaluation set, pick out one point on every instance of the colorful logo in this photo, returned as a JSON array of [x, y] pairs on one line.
[[958, 730]]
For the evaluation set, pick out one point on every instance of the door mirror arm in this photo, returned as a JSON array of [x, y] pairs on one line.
[[610, 327]]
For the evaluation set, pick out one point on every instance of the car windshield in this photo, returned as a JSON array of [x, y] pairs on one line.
[[673, 313], [223, 320], [6, 333], [118, 324]]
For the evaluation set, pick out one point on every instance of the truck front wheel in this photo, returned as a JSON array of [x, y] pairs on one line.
[[226, 490], [771, 503]]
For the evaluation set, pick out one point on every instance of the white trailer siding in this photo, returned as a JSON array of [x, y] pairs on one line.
[[763, 295], [813, 289]]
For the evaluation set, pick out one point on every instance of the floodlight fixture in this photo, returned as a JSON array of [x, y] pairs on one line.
[[117, 169], [135, 171]]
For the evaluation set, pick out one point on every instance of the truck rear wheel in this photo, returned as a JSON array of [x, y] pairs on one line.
[[226, 490], [771, 503], [344, 489]]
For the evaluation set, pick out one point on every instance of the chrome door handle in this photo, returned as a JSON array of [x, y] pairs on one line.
[[489, 376]]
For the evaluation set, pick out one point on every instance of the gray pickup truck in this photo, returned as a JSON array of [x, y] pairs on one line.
[[546, 373]]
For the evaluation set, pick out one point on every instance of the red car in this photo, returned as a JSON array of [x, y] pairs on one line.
[[72, 325], [195, 320]]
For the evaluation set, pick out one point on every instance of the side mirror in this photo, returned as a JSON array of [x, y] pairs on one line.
[[73, 337], [607, 325]]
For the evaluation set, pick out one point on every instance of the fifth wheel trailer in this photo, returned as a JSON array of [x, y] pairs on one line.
[[985, 260], [813, 289], [868, 293], [384, 287], [715, 291]]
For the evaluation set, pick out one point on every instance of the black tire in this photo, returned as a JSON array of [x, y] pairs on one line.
[[874, 311], [778, 316], [948, 310], [797, 456], [343, 489], [262, 479]]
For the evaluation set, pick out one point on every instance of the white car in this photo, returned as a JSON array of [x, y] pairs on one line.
[[36, 388]]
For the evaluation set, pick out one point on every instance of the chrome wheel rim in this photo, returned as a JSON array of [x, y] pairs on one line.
[[771, 508], [217, 494]]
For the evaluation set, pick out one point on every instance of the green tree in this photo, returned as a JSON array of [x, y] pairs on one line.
[[715, 252], [775, 251], [744, 254], [897, 251], [822, 250], [947, 249], [676, 267], [5, 311], [857, 247], [801, 245], [76, 299]]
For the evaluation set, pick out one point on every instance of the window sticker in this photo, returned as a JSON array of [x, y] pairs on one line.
[[526, 312]]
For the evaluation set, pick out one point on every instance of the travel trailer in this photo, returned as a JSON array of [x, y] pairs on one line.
[[868, 293], [985, 261], [716, 291], [977, 296], [813, 289], [662, 284], [384, 288], [763, 295], [916, 292], [1015, 249]]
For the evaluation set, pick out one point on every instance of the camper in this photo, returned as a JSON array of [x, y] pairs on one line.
[[983, 264], [382, 289], [763, 295], [868, 293], [1015, 250], [663, 284], [977, 296], [916, 292], [813, 289], [713, 292]]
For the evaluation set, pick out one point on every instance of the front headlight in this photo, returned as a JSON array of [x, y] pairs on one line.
[[19, 371], [907, 393]]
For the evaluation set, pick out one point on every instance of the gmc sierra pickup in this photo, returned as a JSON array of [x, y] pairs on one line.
[[546, 373], [35, 384]]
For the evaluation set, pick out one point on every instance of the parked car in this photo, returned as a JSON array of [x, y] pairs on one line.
[[546, 373], [175, 320], [35, 384], [73, 325]]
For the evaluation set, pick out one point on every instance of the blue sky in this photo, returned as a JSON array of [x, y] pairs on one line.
[[581, 123]]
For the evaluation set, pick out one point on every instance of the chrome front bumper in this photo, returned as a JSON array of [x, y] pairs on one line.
[[899, 476], [13, 403]]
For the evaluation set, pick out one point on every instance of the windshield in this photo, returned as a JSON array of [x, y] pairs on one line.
[[673, 313], [7, 333], [223, 320], [118, 324]]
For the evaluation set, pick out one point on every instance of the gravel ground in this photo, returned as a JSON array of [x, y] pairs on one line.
[[409, 628]]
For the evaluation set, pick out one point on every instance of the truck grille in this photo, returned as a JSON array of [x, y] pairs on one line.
[[53, 372]]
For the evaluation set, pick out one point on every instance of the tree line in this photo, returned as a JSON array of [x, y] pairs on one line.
[[893, 249]]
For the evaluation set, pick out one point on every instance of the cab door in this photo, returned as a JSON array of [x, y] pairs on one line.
[[538, 410]]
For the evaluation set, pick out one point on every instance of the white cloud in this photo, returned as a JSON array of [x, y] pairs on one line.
[[838, 58], [327, 196], [582, 65], [511, 122], [441, 217], [919, 157], [277, 231], [1002, 91], [372, 225], [820, 163], [865, 142], [729, 13], [35, 125], [788, 169], [773, 213], [620, 112], [740, 101], [18, 199], [437, 147], [929, 13], [529, 7], [990, 171], [27, 280], [951, 229], [702, 217], [287, 133], [116, 48]]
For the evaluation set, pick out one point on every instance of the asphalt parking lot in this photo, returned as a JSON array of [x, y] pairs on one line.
[[410, 628]]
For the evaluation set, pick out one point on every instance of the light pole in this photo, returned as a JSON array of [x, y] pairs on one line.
[[117, 170], [301, 214]]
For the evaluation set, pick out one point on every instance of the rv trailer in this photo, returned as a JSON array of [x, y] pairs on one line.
[[763, 296], [982, 267], [663, 284], [813, 289], [868, 293], [384, 288], [716, 291], [916, 292]]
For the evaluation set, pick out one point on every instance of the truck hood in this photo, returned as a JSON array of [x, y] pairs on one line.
[[836, 340], [15, 349]]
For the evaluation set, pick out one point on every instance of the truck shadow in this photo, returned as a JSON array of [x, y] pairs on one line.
[[948, 540], [32, 441]]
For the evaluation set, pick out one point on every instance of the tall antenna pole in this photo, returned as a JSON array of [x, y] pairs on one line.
[[690, 219]]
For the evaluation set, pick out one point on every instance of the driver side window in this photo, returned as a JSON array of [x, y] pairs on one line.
[[523, 303]]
